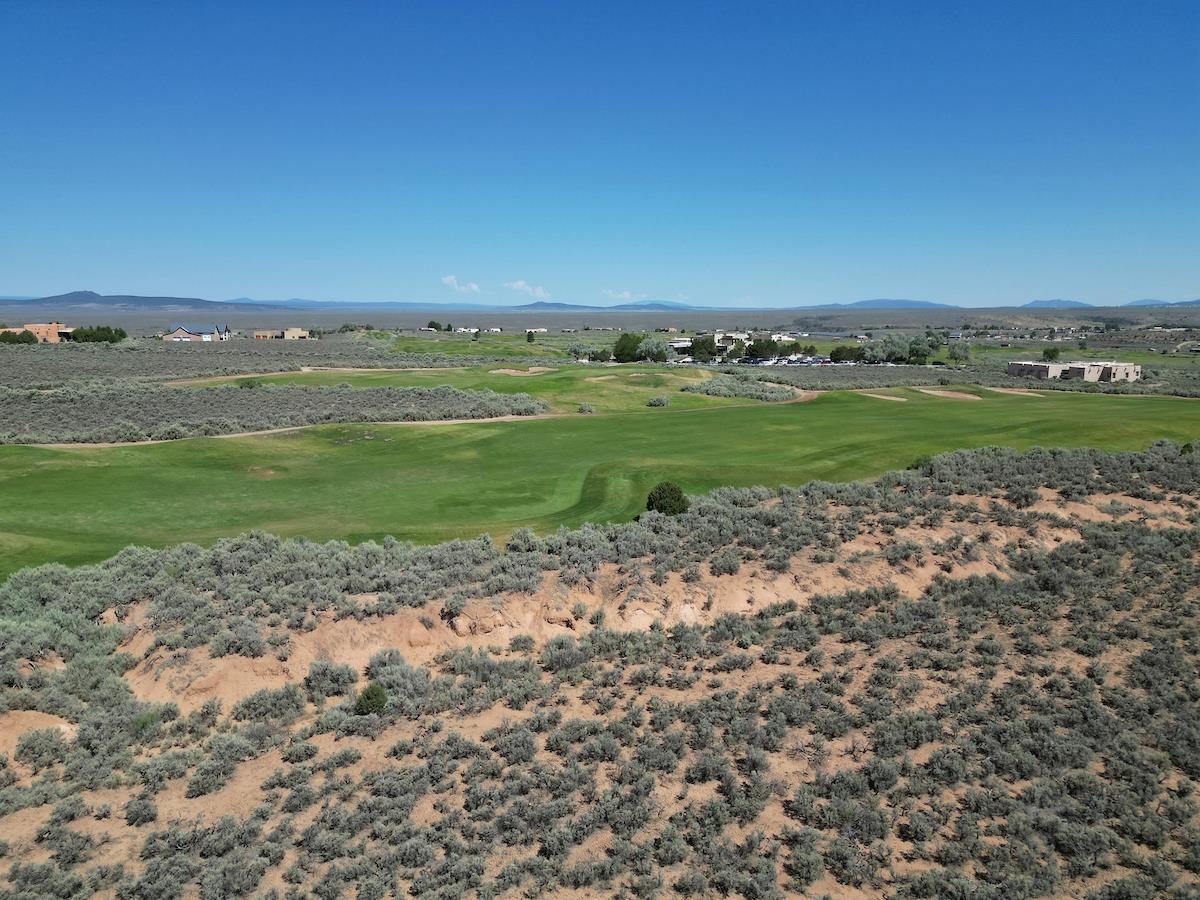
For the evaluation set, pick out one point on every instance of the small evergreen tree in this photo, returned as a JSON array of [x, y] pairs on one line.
[[667, 498], [626, 348], [372, 699]]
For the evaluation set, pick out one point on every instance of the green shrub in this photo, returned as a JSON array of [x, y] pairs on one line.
[[667, 498], [372, 699]]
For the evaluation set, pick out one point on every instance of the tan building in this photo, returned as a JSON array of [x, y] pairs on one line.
[[45, 332], [288, 334], [1077, 371], [205, 334]]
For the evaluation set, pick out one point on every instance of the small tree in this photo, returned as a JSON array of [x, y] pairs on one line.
[[667, 498], [434, 324], [372, 700], [1051, 354], [959, 352], [843, 354], [626, 348], [653, 349], [762, 348], [529, 337], [704, 349]]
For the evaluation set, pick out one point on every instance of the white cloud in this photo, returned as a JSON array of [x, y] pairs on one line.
[[620, 295], [464, 287], [524, 287]]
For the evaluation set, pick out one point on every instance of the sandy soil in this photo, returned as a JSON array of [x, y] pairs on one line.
[[522, 373], [190, 679], [217, 379], [949, 395], [15, 723], [1015, 391], [887, 397]]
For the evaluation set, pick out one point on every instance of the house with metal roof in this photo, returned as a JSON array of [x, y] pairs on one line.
[[180, 332]]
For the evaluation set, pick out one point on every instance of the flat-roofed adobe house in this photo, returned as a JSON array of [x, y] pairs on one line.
[[296, 334], [45, 332], [1077, 371], [197, 333]]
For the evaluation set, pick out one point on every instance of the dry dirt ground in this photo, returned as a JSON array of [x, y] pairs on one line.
[[190, 678]]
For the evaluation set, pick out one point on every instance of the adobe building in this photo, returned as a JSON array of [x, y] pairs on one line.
[[45, 332], [1077, 371]]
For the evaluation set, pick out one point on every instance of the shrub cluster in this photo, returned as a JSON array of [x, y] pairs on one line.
[[984, 736], [139, 412], [739, 386], [59, 365]]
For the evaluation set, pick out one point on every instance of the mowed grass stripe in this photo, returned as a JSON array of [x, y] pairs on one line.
[[429, 483]]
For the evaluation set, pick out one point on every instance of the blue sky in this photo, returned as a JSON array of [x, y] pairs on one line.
[[747, 154]]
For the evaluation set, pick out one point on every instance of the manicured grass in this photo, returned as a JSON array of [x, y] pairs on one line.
[[605, 388], [432, 482], [452, 344]]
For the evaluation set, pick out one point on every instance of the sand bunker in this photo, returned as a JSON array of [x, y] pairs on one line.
[[521, 373], [600, 378], [1017, 391], [949, 395], [887, 397]]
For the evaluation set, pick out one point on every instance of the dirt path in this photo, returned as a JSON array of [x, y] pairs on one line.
[[217, 379], [285, 430]]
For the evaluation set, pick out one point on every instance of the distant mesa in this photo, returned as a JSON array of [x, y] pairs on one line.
[[85, 301], [90, 300], [885, 303], [1163, 302], [642, 305], [1057, 304]]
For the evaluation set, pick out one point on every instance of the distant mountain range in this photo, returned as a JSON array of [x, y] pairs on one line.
[[1057, 304], [90, 301], [1163, 303], [884, 303]]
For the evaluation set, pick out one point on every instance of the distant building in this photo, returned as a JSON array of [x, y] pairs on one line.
[[536, 330], [45, 332], [1077, 371], [180, 333], [288, 334]]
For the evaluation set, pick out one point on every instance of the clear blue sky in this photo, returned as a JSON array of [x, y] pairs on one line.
[[751, 154]]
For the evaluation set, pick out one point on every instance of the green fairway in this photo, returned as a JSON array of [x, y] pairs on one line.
[[431, 482], [605, 388], [451, 344]]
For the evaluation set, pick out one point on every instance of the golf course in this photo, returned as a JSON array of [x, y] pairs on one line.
[[431, 482]]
